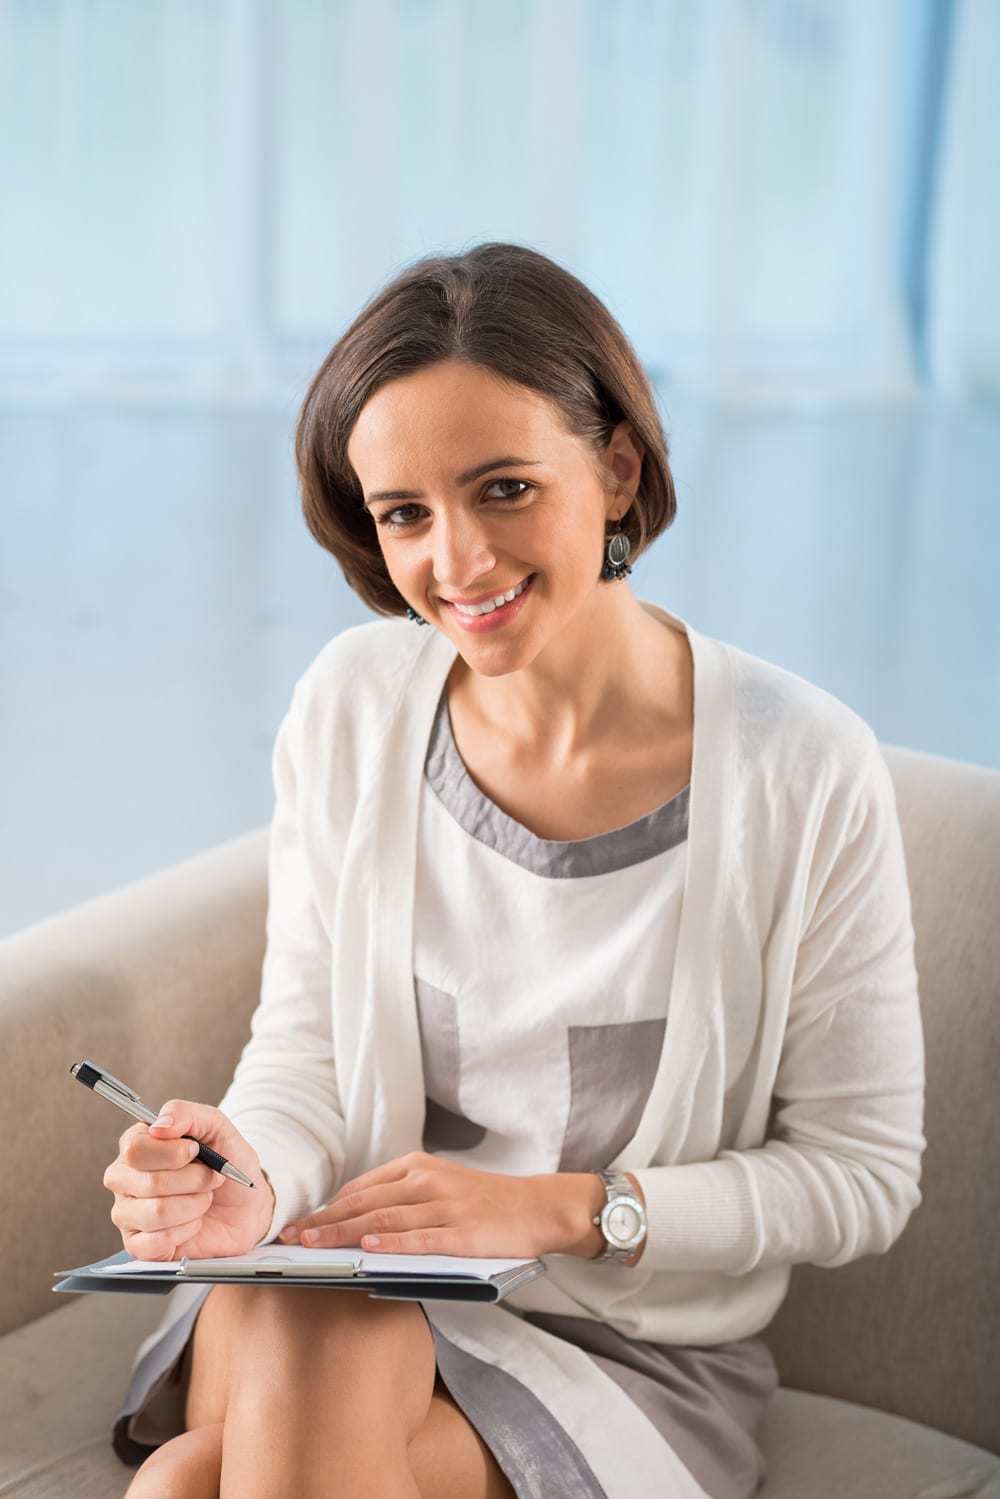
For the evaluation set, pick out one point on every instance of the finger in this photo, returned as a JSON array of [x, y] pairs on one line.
[[151, 1215], [128, 1134], [415, 1241], [179, 1116], [194, 1178], [166, 1182], [390, 1171], [163, 1244], [145, 1153], [182, 1116], [174, 1114], [150, 1151], [392, 1220], [355, 1205]]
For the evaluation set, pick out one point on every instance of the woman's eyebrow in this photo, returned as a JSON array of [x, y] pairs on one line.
[[464, 478]]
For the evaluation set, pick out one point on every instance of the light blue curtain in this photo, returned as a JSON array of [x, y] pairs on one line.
[[781, 200]]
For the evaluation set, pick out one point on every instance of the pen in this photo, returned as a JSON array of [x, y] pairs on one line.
[[116, 1092]]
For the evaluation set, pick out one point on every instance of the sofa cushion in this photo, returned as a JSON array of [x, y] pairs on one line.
[[63, 1377], [817, 1447]]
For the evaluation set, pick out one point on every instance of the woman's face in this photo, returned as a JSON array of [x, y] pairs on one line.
[[457, 535]]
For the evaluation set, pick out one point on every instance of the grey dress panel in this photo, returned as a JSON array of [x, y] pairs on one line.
[[612, 1067], [556, 859], [707, 1403]]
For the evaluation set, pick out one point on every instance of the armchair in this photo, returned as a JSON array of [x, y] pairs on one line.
[[890, 1366]]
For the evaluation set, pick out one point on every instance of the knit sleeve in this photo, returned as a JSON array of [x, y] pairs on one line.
[[284, 1097], [837, 1177]]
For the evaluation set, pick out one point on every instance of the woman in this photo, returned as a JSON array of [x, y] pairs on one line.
[[556, 889]]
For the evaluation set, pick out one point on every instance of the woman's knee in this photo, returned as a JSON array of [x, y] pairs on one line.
[[235, 1326], [189, 1466], [296, 1314], [244, 1330]]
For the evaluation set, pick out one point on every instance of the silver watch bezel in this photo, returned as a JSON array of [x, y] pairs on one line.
[[619, 1190]]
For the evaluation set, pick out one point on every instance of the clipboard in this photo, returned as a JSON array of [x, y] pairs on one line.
[[347, 1269]]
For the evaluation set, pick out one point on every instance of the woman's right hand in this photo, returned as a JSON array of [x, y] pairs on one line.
[[169, 1204]]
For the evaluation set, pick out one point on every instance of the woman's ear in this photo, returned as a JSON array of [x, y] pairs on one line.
[[623, 458]]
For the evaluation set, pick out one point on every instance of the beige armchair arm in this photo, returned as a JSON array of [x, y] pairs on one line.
[[156, 981]]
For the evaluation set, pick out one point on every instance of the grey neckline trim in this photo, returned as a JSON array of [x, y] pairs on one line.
[[650, 835]]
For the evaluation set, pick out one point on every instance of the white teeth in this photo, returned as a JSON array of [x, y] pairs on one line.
[[491, 604]]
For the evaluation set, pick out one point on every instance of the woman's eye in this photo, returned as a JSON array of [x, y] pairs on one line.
[[385, 519], [521, 482]]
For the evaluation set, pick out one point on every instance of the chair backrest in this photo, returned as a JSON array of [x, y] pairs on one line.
[[916, 1331]]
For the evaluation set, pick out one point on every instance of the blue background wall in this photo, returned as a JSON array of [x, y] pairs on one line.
[[790, 206]]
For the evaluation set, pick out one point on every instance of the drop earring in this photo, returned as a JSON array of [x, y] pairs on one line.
[[616, 560]]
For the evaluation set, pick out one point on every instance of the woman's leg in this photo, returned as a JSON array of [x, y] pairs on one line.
[[445, 1454], [186, 1467], [449, 1458], [327, 1392]]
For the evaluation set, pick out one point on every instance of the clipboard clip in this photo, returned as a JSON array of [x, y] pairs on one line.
[[275, 1267]]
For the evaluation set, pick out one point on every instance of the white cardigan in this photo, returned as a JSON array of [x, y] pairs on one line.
[[794, 988]]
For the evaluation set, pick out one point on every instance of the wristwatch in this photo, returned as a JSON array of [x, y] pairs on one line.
[[622, 1220]]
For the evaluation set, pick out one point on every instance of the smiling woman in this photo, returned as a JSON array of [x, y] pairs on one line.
[[465, 460], [535, 935], [524, 327]]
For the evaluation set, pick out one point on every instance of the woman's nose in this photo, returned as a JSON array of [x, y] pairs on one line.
[[461, 554]]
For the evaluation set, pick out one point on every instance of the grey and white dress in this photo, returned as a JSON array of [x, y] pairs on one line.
[[584, 1025]]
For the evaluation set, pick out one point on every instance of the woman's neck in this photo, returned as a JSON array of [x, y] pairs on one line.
[[624, 671]]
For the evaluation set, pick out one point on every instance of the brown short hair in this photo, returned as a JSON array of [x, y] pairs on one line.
[[504, 308]]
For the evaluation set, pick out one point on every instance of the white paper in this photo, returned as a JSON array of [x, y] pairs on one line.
[[413, 1264]]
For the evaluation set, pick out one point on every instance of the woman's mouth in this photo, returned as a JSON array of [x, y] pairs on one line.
[[493, 619]]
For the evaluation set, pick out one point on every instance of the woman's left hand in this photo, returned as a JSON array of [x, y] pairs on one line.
[[422, 1204]]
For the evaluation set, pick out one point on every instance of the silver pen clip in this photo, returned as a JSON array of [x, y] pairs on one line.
[[113, 1082]]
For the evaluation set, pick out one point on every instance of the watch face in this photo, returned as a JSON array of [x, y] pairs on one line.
[[623, 1223]]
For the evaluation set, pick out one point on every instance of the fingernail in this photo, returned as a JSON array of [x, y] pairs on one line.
[[310, 1236], [289, 1234], [166, 1120]]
